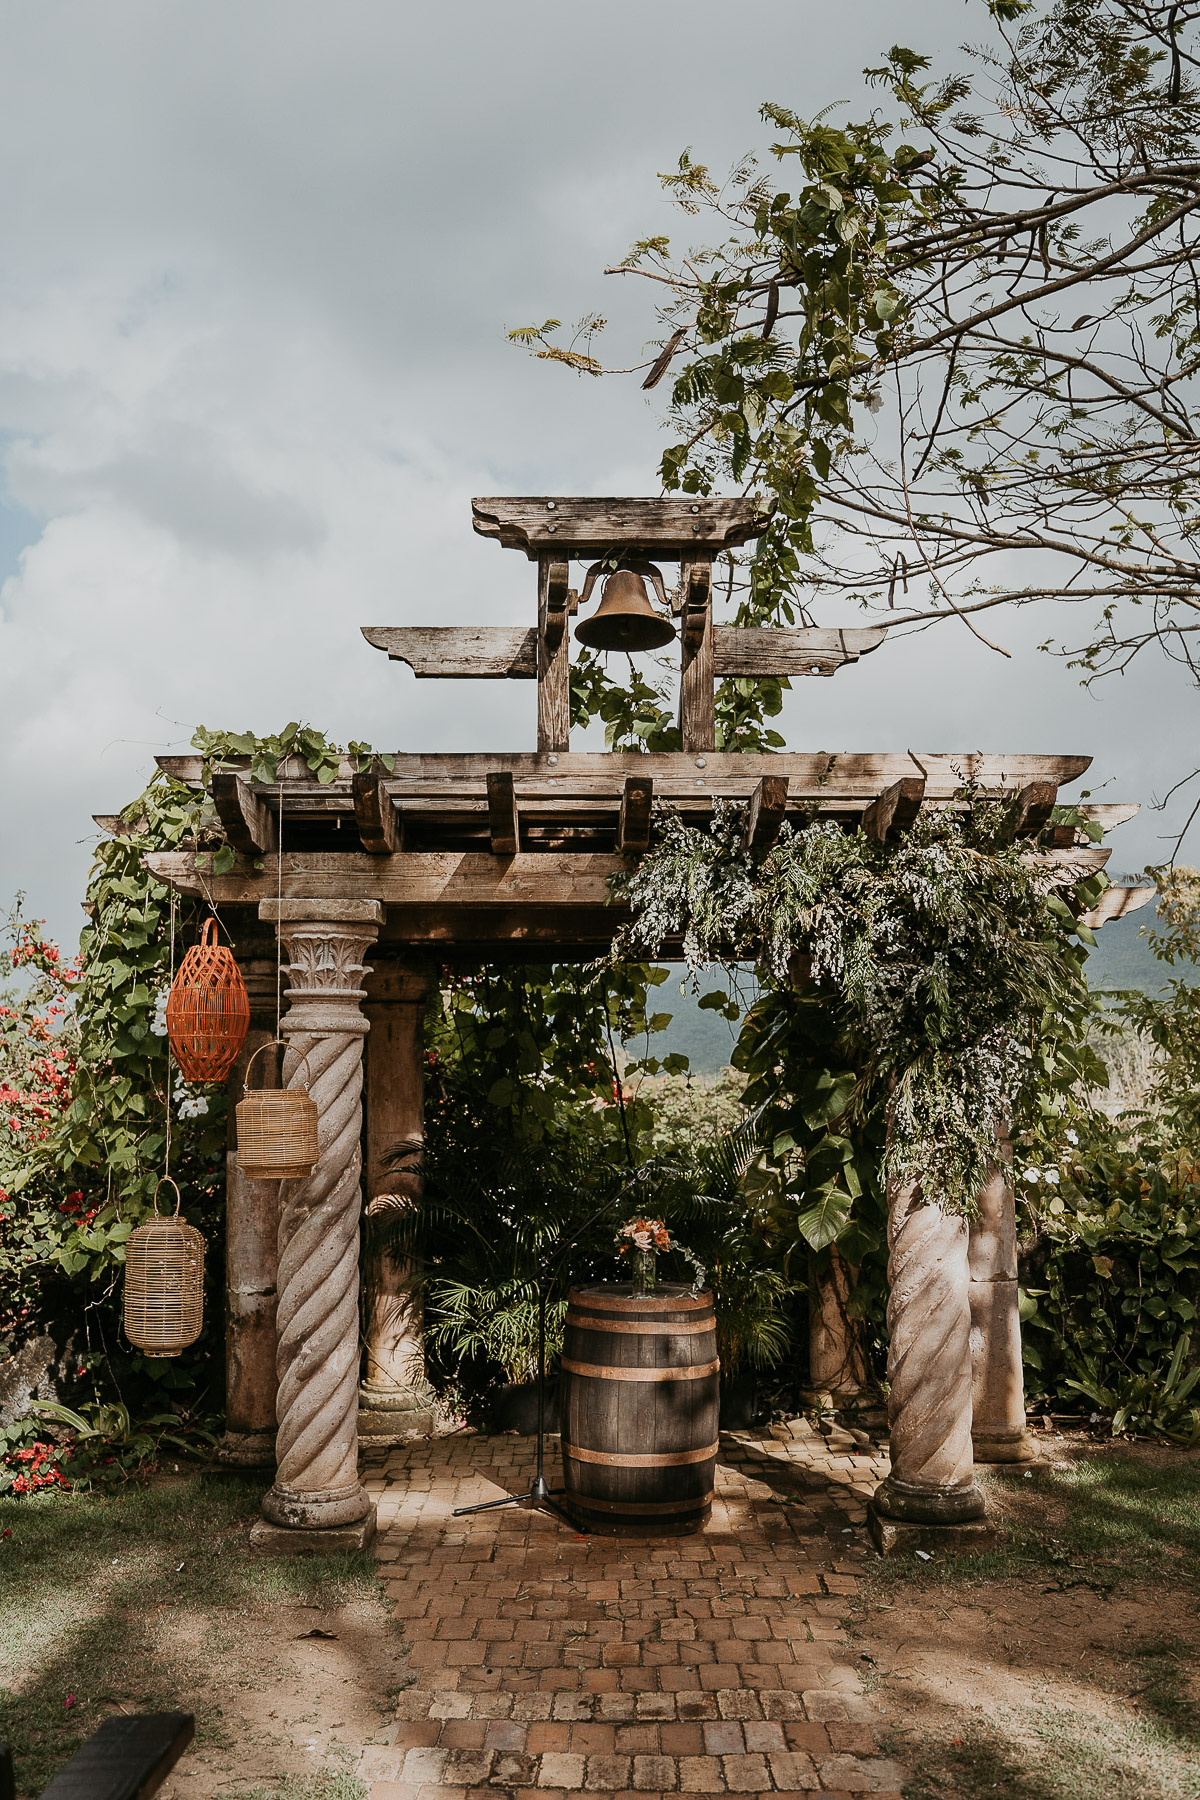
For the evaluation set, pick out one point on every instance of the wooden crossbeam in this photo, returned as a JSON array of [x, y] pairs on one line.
[[751, 651], [503, 822], [824, 777], [460, 652], [1108, 817], [585, 528], [439, 885], [633, 824], [375, 816], [1116, 903], [249, 824], [128, 1758], [768, 803], [1035, 803], [896, 807]]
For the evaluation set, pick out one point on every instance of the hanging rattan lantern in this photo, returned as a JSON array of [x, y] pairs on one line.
[[164, 1283], [208, 1012], [276, 1131]]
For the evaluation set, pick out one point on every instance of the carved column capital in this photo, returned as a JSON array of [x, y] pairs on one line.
[[326, 941]]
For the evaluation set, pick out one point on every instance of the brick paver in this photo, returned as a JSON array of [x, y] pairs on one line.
[[544, 1663]]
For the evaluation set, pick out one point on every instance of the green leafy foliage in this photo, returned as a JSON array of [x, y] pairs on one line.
[[938, 957]]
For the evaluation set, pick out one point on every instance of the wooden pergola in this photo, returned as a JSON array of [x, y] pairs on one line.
[[401, 864]]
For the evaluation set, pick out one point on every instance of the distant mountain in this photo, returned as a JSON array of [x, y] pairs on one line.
[[1121, 959]]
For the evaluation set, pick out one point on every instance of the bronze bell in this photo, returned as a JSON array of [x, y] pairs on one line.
[[624, 619]]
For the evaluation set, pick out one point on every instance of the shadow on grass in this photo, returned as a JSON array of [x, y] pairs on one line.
[[86, 1578], [1056, 1754], [1090, 1524]]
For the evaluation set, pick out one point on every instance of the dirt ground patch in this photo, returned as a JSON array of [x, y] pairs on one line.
[[1064, 1665], [149, 1600]]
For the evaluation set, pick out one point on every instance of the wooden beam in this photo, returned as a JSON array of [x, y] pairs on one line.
[[1035, 803], [376, 818], [584, 528], [1116, 903], [249, 824], [633, 824], [411, 878], [822, 776], [553, 656], [1072, 865], [459, 653], [768, 803], [1107, 817], [754, 651], [128, 1758], [697, 701], [895, 808], [503, 822]]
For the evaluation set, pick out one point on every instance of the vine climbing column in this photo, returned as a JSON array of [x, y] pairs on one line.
[[316, 1484], [929, 1367]]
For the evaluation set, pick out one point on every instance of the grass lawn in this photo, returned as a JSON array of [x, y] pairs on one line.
[[1065, 1663], [149, 1600]]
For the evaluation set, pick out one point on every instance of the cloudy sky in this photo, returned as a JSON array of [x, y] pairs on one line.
[[257, 260]]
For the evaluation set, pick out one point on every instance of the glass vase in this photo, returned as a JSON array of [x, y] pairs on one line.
[[645, 1275]]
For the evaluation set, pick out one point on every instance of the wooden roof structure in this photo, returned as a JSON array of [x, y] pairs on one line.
[[512, 854]]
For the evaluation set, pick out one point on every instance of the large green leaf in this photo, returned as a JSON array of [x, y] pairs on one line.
[[823, 1223]]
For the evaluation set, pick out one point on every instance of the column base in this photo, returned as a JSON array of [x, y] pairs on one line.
[[894, 1499], [1004, 1446], [391, 1415], [298, 1510], [329, 1540], [892, 1537], [246, 1450]]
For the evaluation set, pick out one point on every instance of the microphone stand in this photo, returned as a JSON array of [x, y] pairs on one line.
[[539, 1494]]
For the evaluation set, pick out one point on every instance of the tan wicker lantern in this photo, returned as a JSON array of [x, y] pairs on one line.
[[208, 1012], [276, 1131], [164, 1283]]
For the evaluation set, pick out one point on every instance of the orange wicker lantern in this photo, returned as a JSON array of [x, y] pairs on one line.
[[208, 1011], [164, 1283], [276, 1131]]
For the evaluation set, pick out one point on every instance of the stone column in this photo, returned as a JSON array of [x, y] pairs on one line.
[[395, 1399], [251, 1254], [929, 1366], [318, 1500], [998, 1414], [837, 1369]]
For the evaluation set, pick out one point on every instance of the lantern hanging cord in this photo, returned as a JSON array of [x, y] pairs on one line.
[[279, 923], [170, 984]]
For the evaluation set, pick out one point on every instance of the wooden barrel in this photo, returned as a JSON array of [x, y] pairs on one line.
[[639, 1406]]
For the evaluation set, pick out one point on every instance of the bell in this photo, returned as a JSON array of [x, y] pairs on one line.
[[625, 619]]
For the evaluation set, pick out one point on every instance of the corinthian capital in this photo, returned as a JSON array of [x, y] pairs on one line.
[[326, 942]]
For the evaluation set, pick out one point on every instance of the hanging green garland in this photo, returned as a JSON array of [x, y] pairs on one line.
[[939, 958]]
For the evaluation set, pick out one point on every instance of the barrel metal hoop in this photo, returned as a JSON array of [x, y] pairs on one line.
[[585, 1503], [599, 1371], [650, 1460], [643, 1327]]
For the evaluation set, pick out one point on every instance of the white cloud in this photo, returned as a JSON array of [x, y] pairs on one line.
[[258, 259]]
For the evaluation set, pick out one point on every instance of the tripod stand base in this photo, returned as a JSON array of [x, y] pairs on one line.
[[538, 1495]]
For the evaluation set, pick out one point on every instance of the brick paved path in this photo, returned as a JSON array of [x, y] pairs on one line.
[[546, 1664]]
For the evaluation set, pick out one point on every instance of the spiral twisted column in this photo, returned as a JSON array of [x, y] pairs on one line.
[[929, 1365], [317, 1481]]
